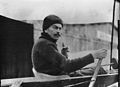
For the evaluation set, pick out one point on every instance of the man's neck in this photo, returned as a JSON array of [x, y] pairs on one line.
[[48, 37]]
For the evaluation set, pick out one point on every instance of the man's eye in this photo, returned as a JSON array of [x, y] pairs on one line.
[[56, 27]]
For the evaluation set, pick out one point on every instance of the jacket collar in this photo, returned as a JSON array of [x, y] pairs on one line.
[[48, 37]]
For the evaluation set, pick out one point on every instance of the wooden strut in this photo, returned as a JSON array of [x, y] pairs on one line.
[[76, 84], [93, 79]]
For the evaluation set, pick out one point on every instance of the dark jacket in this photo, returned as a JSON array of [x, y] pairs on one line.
[[47, 59]]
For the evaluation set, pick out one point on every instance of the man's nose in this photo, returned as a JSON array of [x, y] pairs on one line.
[[59, 32]]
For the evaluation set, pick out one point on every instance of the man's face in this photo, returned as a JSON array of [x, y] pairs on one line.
[[54, 31]]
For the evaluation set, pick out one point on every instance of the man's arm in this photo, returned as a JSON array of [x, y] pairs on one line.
[[68, 65]]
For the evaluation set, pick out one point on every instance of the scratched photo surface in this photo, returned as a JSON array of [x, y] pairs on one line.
[[89, 25]]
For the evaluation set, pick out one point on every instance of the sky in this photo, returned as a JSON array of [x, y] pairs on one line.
[[71, 11]]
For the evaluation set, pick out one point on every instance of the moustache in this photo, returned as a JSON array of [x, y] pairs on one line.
[[57, 34]]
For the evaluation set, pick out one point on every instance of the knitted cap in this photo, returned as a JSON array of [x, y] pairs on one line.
[[50, 20]]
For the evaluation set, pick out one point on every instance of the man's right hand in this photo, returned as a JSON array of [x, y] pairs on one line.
[[100, 54]]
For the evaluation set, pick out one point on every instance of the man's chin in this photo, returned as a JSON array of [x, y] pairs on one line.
[[56, 38]]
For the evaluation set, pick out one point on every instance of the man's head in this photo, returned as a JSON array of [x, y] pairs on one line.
[[52, 25]]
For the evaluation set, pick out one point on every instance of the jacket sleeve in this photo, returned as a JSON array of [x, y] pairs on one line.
[[77, 63], [68, 65]]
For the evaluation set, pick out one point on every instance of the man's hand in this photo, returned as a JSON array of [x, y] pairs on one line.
[[64, 51], [100, 54]]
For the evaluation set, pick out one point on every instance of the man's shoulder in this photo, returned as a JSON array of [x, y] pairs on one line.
[[44, 41], [41, 41]]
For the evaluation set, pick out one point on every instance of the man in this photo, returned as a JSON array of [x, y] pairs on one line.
[[45, 56]]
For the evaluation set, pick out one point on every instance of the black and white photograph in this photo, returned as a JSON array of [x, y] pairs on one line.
[[59, 43]]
